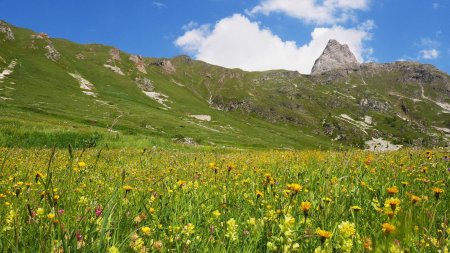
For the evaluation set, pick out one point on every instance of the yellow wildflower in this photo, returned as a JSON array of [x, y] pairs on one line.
[[415, 199], [437, 192], [392, 190], [127, 188], [294, 187], [347, 229], [259, 194], [323, 234], [305, 206], [146, 230], [387, 228]]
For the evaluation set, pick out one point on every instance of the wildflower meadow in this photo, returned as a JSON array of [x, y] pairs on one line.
[[131, 200]]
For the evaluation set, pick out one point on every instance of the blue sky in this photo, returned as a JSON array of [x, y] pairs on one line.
[[252, 35]]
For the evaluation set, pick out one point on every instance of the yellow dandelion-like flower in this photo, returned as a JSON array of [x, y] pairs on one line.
[[51, 216], [294, 187], [181, 183], [392, 190], [323, 234], [305, 206], [81, 164], [387, 228], [259, 194], [437, 192], [415, 199], [393, 203], [356, 208]]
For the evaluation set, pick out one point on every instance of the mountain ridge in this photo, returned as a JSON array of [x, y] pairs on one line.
[[162, 97]]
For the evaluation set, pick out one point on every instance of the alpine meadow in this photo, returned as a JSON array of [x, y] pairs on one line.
[[102, 150]]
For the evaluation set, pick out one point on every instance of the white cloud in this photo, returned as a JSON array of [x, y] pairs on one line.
[[192, 40], [427, 42], [429, 54], [236, 42], [189, 26], [159, 5], [313, 11]]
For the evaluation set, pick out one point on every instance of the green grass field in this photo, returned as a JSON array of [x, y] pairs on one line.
[[42, 104]]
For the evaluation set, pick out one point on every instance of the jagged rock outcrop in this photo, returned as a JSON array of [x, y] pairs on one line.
[[144, 84], [139, 63], [52, 53], [335, 56], [166, 66], [115, 54], [5, 29], [375, 105], [42, 36]]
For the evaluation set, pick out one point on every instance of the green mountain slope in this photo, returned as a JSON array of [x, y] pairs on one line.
[[53, 91]]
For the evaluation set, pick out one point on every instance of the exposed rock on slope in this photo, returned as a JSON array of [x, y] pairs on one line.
[[335, 56], [5, 29], [115, 54], [139, 63], [144, 84], [166, 66], [51, 54]]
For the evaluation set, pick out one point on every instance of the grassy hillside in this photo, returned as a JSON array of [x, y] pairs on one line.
[[43, 102]]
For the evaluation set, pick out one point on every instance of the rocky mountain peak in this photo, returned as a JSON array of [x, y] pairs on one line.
[[334, 56]]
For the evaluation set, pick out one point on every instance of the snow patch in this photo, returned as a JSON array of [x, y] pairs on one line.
[[9, 70], [115, 69], [201, 117], [380, 145]]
